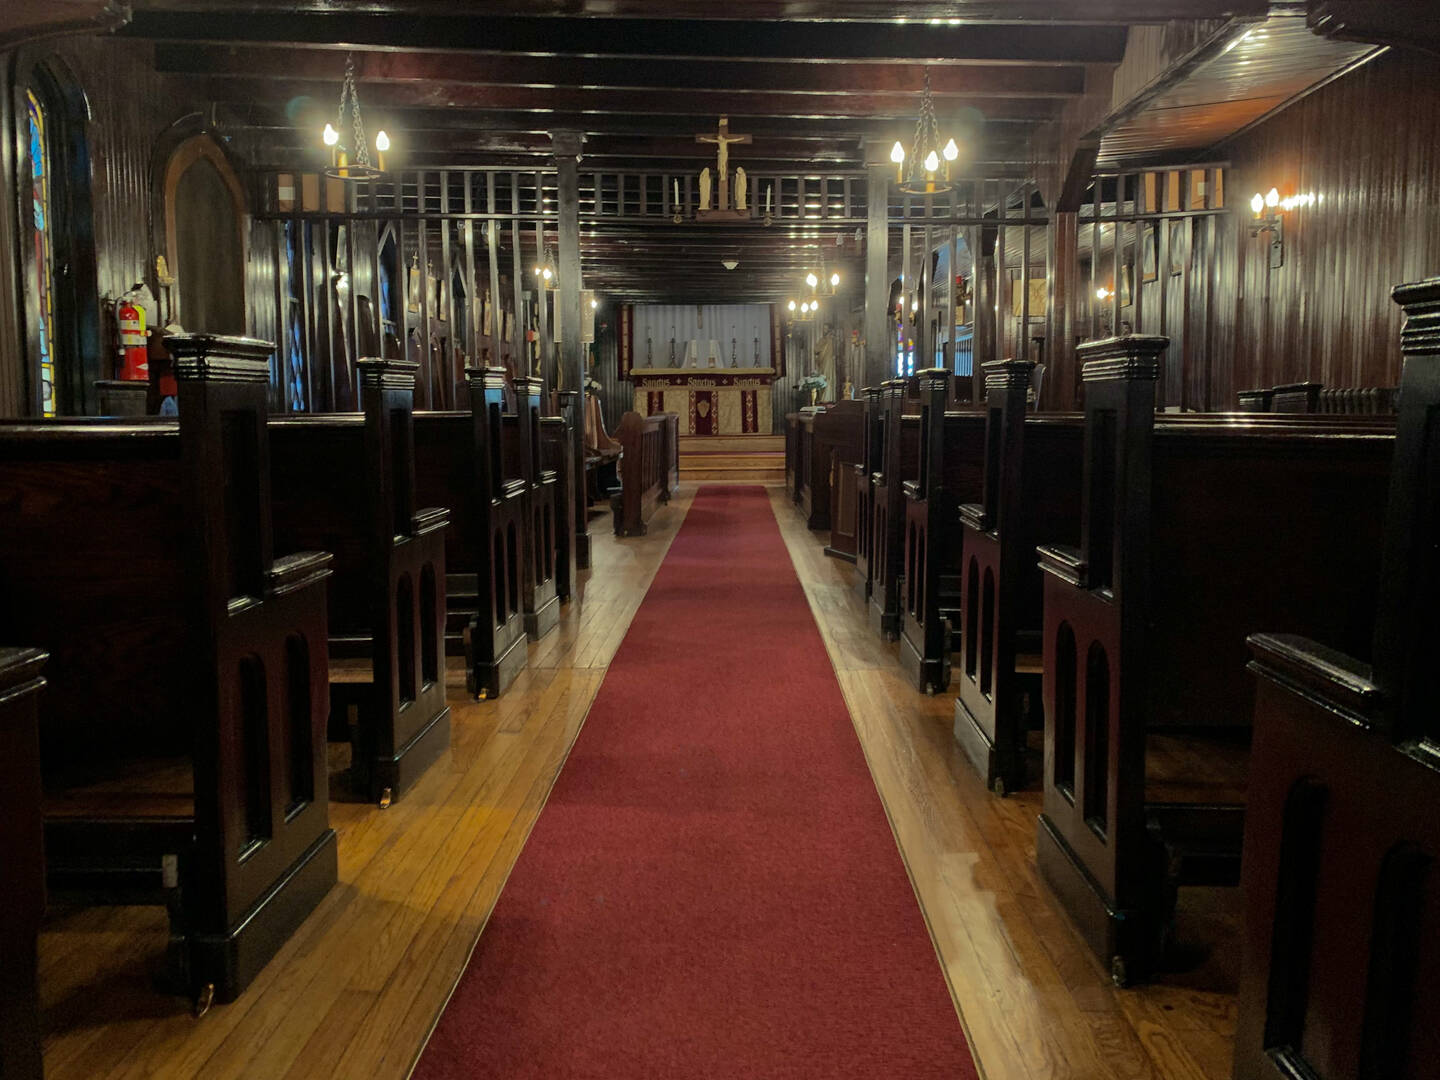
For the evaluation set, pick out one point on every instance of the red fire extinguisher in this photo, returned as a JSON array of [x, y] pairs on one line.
[[134, 356]]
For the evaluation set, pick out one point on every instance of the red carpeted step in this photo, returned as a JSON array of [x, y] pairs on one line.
[[713, 889]]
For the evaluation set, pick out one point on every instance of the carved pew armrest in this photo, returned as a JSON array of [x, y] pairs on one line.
[[512, 489], [1064, 562], [1320, 674], [974, 516], [912, 490], [429, 520], [291, 572]]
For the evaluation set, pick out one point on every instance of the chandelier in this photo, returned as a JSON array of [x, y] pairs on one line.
[[352, 162], [805, 311], [929, 171], [822, 284]]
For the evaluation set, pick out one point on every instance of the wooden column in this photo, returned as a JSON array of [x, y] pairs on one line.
[[542, 311], [492, 247], [517, 283], [566, 145], [1062, 311], [879, 363]]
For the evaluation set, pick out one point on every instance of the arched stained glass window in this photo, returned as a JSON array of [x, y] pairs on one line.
[[44, 273]]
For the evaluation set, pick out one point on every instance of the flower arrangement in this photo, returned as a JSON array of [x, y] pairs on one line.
[[814, 381]]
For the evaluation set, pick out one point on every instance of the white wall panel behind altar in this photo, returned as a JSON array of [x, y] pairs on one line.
[[745, 323]]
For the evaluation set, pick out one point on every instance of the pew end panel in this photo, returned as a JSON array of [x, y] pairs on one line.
[[349, 481], [950, 474], [1190, 536], [1342, 836], [555, 436], [863, 479], [843, 431], [649, 469], [1031, 490], [901, 459], [1342, 903], [236, 840], [830, 438], [460, 460], [22, 885], [540, 598]]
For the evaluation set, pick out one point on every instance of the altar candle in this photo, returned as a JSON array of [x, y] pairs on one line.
[[677, 193], [768, 192]]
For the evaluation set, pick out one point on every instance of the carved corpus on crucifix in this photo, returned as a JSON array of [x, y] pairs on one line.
[[722, 140]]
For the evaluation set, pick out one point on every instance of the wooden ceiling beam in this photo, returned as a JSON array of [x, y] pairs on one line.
[[1120, 12], [699, 103], [263, 113], [677, 39], [733, 76]]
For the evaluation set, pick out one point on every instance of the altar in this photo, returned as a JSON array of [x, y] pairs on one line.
[[709, 401]]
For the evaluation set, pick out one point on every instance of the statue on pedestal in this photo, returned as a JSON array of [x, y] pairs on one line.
[[705, 188], [740, 186]]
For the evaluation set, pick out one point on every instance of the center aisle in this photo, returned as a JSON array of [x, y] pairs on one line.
[[713, 889]]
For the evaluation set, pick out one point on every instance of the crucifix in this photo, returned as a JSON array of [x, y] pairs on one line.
[[723, 139]]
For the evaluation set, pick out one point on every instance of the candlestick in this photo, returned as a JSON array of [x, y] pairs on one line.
[[677, 193], [768, 192]]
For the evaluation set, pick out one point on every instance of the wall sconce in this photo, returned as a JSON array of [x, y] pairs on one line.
[[1267, 209]]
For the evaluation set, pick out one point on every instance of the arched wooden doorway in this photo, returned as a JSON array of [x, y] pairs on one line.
[[205, 238]]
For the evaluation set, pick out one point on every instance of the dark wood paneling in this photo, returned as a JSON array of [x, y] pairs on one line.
[[130, 108], [1368, 146]]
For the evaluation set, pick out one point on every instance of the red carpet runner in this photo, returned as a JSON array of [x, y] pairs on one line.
[[713, 889]]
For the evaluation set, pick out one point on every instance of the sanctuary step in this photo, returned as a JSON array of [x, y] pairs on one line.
[[749, 459]]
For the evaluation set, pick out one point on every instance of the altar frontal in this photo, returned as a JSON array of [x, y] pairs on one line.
[[712, 365]]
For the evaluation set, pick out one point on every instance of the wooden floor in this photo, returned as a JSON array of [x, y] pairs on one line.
[[356, 991]]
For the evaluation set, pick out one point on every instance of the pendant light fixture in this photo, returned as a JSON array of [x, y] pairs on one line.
[[351, 161], [929, 162]]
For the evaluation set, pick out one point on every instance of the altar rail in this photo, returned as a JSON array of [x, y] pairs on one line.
[[649, 468]]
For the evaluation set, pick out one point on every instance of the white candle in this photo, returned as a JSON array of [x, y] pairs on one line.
[[768, 192], [677, 192]]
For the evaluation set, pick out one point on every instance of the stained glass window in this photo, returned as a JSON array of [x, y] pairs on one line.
[[44, 283]]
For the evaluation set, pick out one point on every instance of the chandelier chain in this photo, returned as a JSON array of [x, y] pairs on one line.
[[351, 92]]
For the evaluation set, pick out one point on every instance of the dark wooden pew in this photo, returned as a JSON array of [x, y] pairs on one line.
[[793, 471], [899, 459], [345, 483], [872, 455], [1195, 530], [649, 468], [949, 474], [555, 456], [1312, 397], [460, 461], [22, 882], [830, 441], [1341, 945], [183, 730], [1031, 484], [539, 599]]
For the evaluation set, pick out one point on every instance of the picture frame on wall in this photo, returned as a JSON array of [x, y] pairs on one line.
[[1179, 246], [412, 287], [1038, 297]]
